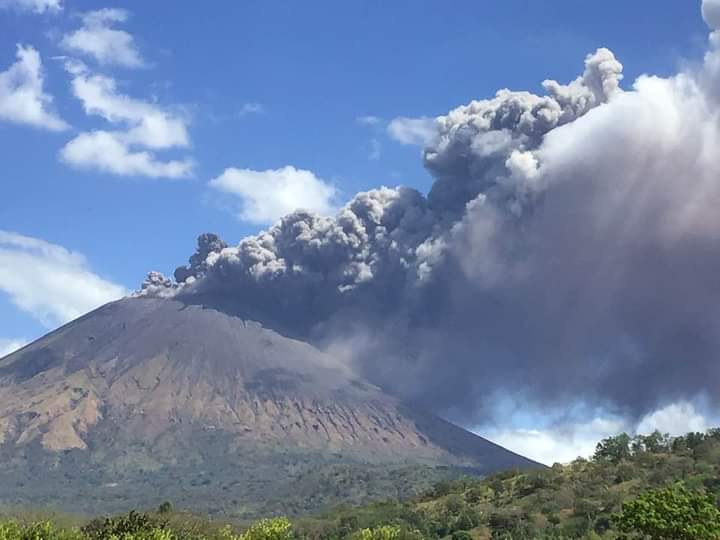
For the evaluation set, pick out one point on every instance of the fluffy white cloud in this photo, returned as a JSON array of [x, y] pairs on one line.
[[36, 6], [108, 151], [98, 39], [124, 151], [419, 131], [51, 283], [8, 346], [266, 196], [22, 98], [148, 124]]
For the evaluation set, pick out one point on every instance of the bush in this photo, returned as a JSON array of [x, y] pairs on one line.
[[454, 504], [165, 508], [132, 524], [380, 533], [673, 512], [43, 530], [464, 522], [269, 529]]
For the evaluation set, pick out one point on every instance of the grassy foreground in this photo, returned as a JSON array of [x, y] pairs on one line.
[[650, 487]]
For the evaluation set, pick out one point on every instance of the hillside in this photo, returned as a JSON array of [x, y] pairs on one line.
[[652, 480], [576, 500], [146, 399]]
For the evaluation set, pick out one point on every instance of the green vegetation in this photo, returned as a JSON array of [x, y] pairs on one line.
[[672, 512], [136, 526], [626, 490], [647, 487], [266, 529], [251, 485]]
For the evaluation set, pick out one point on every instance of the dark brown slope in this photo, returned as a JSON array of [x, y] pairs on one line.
[[166, 389]]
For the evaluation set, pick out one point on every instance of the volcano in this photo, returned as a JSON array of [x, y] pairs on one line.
[[148, 399]]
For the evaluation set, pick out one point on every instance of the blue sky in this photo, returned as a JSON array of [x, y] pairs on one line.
[[261, 85]]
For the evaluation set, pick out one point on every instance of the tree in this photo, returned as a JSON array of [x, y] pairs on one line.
[[454, 504], [670, 513], [269, 529], [464, 522], [654, 443], [387, 532], [127, 525], [613, 449], [165, 508], [42, 530]]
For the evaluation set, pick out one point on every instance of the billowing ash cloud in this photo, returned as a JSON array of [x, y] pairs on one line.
[[568, 252], [711, 13], [476, 141]]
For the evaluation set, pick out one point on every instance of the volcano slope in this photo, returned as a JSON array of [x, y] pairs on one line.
[[145, 400]]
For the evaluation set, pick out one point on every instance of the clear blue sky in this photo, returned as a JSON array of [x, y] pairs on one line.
[[313, 68]]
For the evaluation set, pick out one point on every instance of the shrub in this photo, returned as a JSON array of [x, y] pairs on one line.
[[380, 533], [132, 524], [269, 529], [673, 512], [43, 530]]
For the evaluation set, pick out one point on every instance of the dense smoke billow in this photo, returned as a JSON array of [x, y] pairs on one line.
[[569, 251]]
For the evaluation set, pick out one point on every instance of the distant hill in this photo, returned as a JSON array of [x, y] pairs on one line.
[[145, 400]]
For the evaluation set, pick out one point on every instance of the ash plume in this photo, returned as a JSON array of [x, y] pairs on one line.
[[567, 252]]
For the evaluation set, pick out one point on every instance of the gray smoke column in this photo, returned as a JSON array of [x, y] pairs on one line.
[[476, 141], [569, 251]]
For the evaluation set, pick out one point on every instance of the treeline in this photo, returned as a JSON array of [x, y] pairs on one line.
[[653, 486], [623, 446], [142, 526]]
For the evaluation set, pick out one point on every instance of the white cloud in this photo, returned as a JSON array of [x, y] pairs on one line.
[[675, 419], [8, 346], [148, 124], [36, 6], [563, 441], [98, 39], [419, 131], [266, 196], [252, 108], [560, 443], [22, 98], [124, 151], [49, 282], [108, 151]]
